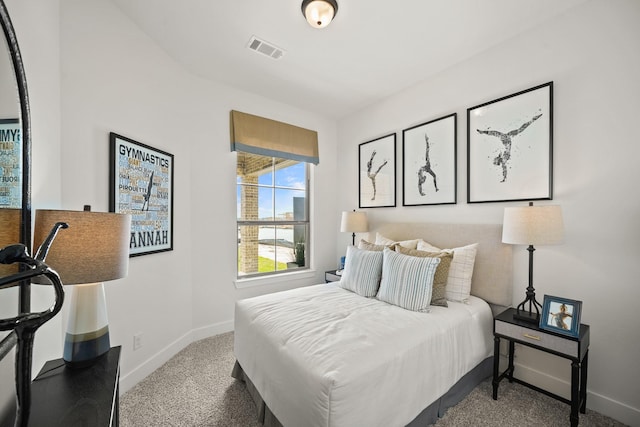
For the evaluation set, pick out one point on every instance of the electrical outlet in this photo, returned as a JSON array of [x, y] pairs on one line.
[[137, 341]]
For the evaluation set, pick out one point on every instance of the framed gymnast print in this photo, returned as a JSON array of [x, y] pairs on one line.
[[141, 184], [377, 172], [429, 163], [510, 147], [561, 315]]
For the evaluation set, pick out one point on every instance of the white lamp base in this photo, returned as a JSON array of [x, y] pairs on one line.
[[87, 336]]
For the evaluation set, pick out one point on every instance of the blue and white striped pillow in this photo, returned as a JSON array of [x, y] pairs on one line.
[[362, 270], [407, 281]]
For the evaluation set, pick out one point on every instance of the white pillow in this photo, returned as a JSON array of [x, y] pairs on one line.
[[407, 281], [381, 240], [461, 270], [362, 271]]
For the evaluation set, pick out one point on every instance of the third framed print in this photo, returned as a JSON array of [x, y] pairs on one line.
[[510, 147]]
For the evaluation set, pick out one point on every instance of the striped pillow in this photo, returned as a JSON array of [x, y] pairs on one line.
[[362, 270], [439, 292], [407, 281]]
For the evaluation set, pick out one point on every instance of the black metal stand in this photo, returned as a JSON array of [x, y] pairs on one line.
[[353, 239], [25, 325], [522, 313]]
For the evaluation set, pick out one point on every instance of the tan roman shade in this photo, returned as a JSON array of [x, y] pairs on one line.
[[266, 137]]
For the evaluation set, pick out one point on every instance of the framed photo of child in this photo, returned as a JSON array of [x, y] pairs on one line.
[[561, 315]]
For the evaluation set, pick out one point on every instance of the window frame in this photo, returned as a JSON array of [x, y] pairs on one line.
[[248, 278]]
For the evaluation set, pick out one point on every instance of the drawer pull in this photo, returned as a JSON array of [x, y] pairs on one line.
[[533, 337]]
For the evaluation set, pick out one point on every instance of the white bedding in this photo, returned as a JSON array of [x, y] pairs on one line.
[[324, 356]]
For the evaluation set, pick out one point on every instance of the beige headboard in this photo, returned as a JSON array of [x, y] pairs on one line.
[[492, 272]]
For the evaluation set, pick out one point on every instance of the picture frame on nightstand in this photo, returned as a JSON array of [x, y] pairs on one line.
[[561, 315]]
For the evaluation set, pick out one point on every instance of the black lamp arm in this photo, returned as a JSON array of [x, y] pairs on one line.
[[43, 250]]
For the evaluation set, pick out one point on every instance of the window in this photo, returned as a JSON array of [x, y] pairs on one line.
[[273, 218]]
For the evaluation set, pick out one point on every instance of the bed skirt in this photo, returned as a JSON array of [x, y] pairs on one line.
[[428, 416]]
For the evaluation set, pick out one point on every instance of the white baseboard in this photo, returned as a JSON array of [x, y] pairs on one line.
[[130, 379], [597, 402], [212, 330]]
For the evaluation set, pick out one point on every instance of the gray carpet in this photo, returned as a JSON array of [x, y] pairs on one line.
[[195, 388]]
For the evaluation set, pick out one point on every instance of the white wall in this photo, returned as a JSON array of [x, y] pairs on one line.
[[592, 56]]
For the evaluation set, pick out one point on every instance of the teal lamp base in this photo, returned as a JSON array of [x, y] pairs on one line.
[[87, 336]]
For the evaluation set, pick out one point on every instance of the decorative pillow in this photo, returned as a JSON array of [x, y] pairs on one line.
[[460, 272], [407, 281], [362, 271], [381, 240], [368, 246], [438, 295]]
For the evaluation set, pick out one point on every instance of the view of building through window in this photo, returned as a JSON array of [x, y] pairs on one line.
[[273, 221]]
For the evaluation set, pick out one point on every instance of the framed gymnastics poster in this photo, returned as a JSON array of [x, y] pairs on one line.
[[141, 184], [10, 163]]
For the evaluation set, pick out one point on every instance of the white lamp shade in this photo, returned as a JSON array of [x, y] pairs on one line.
[[354, 222], [533, 225], [319, 13], [95, 247]]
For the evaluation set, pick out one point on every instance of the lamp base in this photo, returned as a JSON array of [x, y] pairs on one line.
[[527, 316], [87, 336]]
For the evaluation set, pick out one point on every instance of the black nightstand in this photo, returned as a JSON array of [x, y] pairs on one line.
[[331, 276], [529, 334], [69, 397]]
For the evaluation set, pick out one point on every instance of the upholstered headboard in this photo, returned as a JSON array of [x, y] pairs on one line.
[[492, 271]]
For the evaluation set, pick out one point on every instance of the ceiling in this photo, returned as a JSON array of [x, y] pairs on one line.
[[372, 49]]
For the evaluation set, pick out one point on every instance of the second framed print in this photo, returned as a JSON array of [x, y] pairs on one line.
[[510, 147], [429, 163], [141, 184], [377, 172]]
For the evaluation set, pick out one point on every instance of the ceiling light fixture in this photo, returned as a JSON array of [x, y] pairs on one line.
[[319, 13]]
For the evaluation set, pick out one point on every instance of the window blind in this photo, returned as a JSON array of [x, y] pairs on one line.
[[266, 137]]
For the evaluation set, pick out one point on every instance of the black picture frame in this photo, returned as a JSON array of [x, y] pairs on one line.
[[510, 147], [141, 184], [561, 315], [377, 172], [429, 162]]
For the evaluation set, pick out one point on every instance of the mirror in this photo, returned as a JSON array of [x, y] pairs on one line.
[[15, 195], [15, 143]]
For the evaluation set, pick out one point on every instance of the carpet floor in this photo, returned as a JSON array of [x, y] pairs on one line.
[[195, 389]]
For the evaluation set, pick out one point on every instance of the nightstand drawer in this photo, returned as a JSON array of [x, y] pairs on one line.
[[331, 276], [542, 339]]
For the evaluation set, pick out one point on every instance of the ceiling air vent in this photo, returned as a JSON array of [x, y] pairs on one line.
[[265, 48]]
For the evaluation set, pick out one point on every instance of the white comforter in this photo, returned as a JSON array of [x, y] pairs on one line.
[[324, 356]]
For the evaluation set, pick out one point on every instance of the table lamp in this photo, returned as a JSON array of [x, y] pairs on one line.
[[94, 249], [532, 225], [9, 234], [354, 222]]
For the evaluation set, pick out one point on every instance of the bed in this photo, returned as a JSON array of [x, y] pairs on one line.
[[325, 356]]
